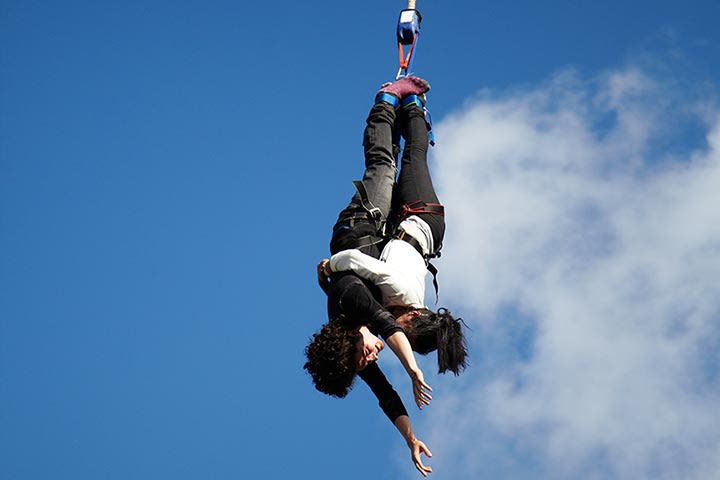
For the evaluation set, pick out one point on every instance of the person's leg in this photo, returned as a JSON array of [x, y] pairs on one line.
[[354, 222], [414, 183], [380, 165], [355, 225]]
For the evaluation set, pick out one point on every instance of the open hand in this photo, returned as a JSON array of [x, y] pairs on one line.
[[417, 448], [421, 390]]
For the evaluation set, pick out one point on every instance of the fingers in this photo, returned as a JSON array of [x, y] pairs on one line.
[[323, 268], [322, 277], [421, 380], [421, 393], [420, 401], [424, 394], [425, 385], [423, 469], [422, 398], [419, 465], [419, 377]]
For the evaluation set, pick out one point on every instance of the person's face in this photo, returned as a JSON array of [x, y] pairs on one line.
[[368, 348], [405, 319]]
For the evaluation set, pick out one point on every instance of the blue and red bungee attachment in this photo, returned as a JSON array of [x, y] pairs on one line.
[[408, 31]]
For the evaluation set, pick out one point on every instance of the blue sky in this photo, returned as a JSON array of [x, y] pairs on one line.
[[170, 172]]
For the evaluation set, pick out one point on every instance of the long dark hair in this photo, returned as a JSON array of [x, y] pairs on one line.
[[442, 332]]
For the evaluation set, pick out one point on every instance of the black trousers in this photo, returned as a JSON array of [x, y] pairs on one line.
[[415, 182], [355, 228], [354, 224]]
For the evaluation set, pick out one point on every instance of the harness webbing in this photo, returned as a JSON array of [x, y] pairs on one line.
[[391, 100], [415, 208], [367, 241], [374, 212], [418, 207], [433, 270]]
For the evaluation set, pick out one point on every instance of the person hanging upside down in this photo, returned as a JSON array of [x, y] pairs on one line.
[[347, 344], [400, 271]]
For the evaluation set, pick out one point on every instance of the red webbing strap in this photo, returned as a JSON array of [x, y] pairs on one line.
[[418, 207], [405, 60]]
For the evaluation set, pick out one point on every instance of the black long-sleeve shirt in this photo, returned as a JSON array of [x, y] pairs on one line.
[[351, 301]]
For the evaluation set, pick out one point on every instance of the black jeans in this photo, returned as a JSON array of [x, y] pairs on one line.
[[415, 183], [354, 222]]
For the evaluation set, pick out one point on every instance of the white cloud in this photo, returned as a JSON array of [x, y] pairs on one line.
[[567, 205]]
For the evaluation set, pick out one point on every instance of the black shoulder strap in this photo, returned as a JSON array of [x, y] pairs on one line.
[[365, 201], [432, 269]]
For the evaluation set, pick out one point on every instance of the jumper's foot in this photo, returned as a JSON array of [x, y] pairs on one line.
[[401, 88]]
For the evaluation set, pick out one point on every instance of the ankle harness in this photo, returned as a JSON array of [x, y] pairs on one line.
[[419, 101], [391, 100]]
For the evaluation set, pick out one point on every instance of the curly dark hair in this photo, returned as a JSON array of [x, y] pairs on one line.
[[442, 332], [331, 359]]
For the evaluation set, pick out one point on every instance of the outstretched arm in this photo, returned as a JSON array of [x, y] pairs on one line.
[[393, 407], [417, 448], [400, 345]]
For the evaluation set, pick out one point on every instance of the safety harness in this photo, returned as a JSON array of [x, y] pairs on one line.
[[371, 212], [374, 212], [415, 208]]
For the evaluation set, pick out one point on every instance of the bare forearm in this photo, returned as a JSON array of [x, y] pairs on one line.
[[402, 423], [400, 345], [417, 448]]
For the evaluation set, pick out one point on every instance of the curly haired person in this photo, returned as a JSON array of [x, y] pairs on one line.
[[348, 345]]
